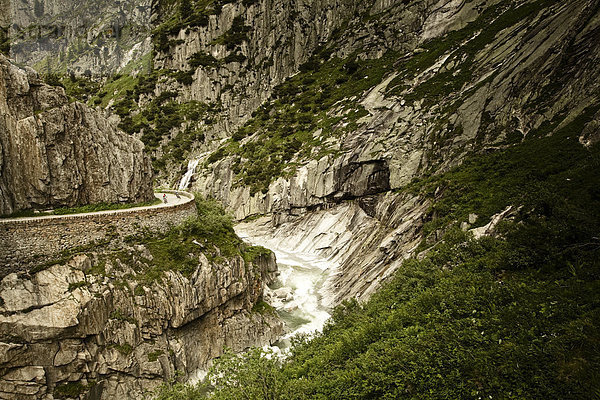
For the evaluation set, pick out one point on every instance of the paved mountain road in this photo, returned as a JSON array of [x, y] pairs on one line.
[[172, 200]]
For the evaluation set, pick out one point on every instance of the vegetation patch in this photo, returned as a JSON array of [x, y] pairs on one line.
[[210, 234], [262, 307], [540, 172], [511, 316], [71, 390], [4, 41], [77, 285], [121, 316], [236, 35], [125, 349], [77, 88], [297, 123], [254, 252], [201, 59], [153, 356]]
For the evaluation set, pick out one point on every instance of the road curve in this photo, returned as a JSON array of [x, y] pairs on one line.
[[172, 201]]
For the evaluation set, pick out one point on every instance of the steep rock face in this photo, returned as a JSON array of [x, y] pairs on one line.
[[365, 239], [96, 38], [70, 330], [537, 69], [56, 153], [280, 37]]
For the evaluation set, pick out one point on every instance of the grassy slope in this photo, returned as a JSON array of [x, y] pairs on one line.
[[210, 233], [515, 316]]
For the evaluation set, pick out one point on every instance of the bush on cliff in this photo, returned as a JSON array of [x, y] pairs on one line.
[[210, 233], [213, 225]]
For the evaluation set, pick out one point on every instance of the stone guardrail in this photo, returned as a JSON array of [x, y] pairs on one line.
[[26, 241]]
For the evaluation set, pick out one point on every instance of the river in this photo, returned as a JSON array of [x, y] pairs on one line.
[[298, 293]]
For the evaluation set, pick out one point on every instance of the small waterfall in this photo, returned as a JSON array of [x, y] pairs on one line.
[[185, 180]]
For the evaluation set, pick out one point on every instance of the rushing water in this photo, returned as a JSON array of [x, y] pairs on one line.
[[299, 293], [185, 180]]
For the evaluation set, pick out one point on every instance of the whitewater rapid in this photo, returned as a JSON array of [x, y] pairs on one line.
[[298, 294]]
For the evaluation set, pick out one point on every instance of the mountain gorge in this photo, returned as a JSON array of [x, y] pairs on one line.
[[442, 156], [375, 109]]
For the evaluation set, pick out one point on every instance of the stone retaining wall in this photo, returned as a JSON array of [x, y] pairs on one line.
[[27, 241]]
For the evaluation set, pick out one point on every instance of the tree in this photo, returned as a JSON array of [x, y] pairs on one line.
[[185, 9]]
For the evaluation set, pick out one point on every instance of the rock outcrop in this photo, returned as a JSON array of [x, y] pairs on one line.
[[100, 328], [56, 153]]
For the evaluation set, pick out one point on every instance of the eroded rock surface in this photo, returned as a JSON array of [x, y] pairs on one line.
[[365, 240], [99, 327]]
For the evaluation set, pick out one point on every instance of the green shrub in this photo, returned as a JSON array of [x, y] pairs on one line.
[[202, 59], [4, 41], [153, 356], [239, 58], [53, 79], [70, 390], [185, 77], [236, 35]]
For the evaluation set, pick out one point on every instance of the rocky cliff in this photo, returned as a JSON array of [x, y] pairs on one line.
[[254, 45], [307, 106], [511, 69], [96, 38], [106, 326], [58, 153], [235, 54]]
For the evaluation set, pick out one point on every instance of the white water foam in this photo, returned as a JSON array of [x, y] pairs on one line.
[[299, 291], [185, 180], [297, 295]]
